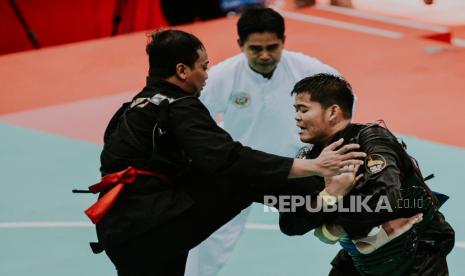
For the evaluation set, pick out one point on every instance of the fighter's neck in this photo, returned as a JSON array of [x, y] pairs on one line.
[[336, 131]]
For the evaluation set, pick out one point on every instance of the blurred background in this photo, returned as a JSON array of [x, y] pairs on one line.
[[66, 66]]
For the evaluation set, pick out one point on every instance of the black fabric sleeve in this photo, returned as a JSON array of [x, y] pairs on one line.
[[384, 183], [212, 150], [302, 221], [381, 182]]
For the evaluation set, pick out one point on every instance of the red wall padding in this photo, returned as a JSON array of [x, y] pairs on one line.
[[56, 21]]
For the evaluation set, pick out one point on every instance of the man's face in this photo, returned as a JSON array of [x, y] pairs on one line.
[[263, 51], [197, 75], [312, 119]]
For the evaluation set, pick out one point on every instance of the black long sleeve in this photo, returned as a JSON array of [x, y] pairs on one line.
[[381, 179], [302, 221], [213, 151], [383, 170]]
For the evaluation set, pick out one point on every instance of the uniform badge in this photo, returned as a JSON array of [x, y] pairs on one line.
[[140, 102], [241, 99], [375, 163]]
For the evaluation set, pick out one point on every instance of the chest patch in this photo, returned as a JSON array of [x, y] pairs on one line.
[[375, 163], [241, 99]]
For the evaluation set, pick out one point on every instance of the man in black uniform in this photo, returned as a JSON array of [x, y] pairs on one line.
[[171, 176], [323, 112]]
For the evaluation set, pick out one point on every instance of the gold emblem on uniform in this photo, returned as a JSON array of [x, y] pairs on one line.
[[375, 163], [140, 102], [241, 99]]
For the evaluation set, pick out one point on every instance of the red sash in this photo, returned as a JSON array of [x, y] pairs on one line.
[[114, 183]]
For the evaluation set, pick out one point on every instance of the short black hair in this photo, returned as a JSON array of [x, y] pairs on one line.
[[166, 48], [260, 20], [327, 89]]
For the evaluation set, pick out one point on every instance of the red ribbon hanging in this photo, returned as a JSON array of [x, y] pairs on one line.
[[114, 183]]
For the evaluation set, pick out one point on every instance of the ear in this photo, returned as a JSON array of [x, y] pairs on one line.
[[182, 71], [333, 112], [240, 44], [284, 39]]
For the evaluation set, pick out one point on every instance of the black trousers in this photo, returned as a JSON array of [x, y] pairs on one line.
[[342, 265], [163, 251], [429, 250], [427, 262]]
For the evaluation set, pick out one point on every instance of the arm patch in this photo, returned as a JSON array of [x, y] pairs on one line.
[[375, 163]]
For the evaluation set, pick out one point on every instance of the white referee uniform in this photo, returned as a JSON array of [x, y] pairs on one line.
[[258, 112]]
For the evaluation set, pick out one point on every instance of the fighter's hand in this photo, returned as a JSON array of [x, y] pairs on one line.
[[396, 227], [340, 185], [333, 162], [390, 230]]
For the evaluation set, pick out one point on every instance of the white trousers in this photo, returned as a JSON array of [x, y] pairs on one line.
[[207, 258]]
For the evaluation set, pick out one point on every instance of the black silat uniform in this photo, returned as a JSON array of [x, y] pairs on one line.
[[390, 172], [153, 225]]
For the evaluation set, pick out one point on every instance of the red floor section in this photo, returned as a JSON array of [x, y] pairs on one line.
[[84, 120], [415, 84]]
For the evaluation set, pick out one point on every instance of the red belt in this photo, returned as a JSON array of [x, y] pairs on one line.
[[114, 183]]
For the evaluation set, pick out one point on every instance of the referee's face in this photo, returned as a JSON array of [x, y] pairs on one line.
[[263, 51]]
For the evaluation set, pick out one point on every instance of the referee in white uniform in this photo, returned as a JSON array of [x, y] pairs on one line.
[[252, 92]]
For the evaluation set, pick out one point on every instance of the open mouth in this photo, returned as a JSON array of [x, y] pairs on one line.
[[302, 129]]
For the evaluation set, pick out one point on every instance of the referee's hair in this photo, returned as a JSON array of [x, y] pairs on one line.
[[259, 20], [166, 48], [327, 89]]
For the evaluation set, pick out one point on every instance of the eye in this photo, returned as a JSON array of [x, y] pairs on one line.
[[255, 49], [301, 110], [272, 47]]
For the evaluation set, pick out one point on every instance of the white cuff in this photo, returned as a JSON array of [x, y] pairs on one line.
[[369, 244], [327, 198]]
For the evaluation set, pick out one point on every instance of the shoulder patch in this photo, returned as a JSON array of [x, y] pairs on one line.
[[375, 163], [139, 102], [158, 98]]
